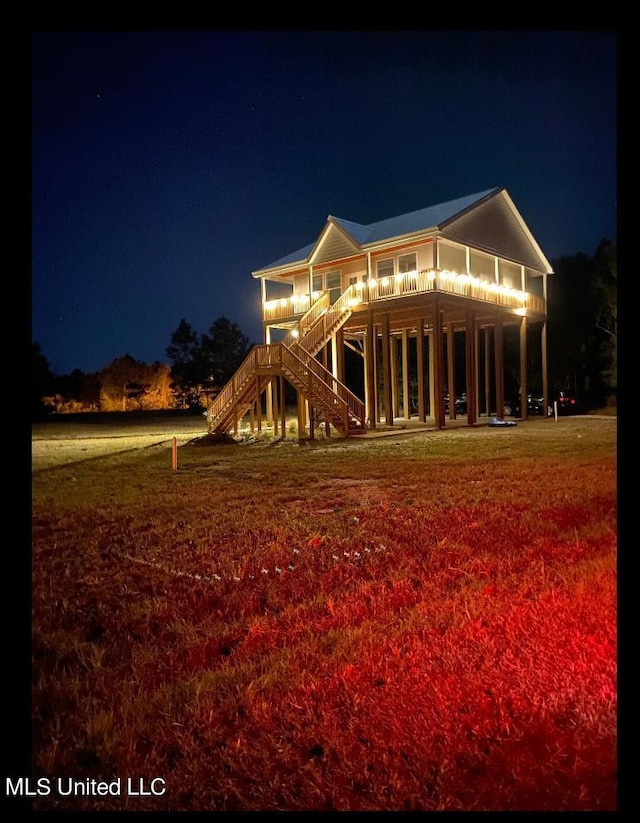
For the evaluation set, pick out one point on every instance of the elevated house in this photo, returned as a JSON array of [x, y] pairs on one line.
[[399, 293]]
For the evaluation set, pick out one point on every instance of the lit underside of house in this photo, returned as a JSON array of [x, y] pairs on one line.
[[398, 293]]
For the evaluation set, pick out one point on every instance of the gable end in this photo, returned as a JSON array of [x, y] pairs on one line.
[[496, 228], [334, 244]]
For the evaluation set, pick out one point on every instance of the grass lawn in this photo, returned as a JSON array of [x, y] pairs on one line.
[[418, 622]]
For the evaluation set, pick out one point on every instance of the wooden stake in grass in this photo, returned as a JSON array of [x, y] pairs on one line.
[[174, 454]]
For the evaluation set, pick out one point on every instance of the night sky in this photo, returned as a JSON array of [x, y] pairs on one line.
[[169, 165]]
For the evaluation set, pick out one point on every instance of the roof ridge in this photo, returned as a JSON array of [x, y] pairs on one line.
[[467, 197]]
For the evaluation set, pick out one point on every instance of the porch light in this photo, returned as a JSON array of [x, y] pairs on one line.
[[399, 276], [360, 285], [372, 283], [384, 281], [294, 333]]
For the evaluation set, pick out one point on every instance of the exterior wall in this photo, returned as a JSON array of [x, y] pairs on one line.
[[423, 252], [425, 256], [355, 268], [301, 284], [347, 268]]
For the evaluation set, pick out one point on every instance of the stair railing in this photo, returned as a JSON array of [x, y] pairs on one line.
[[334, 316]]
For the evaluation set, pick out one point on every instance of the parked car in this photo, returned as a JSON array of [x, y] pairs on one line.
[[566, 400], [535, 406], [461, 404]]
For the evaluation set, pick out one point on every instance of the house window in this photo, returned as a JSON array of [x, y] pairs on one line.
[[407, 263], [333, 284], [384, 268], [316, 282]]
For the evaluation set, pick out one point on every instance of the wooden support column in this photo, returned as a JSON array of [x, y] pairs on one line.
[[545, 376], [283, 408], [269, 403], [470, 365], [543, 343], [406, 406], [376, 373], [451, 370], [438, 368], [487, 370], [259, 405], [273, 384], [386, 367], [432, 388], [269, 396], [393, 356], [339, 338], [476, 369], [370, 376], [301, 416], [524, 391], [235, 407], [365, 372], [498, 353], [422, 410], [334, 356]]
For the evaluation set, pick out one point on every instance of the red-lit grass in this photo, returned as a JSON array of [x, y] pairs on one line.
[[426, 623]]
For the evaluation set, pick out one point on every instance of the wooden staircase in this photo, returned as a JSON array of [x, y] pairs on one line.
[[294, 358]]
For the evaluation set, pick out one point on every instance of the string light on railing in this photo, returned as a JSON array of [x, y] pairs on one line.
[[445, 276]]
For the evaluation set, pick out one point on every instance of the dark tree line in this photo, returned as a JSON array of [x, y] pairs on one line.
[[583, 325], [200, 366]]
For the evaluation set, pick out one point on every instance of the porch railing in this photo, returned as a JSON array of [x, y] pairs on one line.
[[422, 282]]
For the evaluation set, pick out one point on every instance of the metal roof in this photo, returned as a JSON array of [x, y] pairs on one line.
[[432, 217]]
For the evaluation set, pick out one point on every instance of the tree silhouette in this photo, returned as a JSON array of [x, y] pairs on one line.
[[202, 364], [225, 348], [125, 378], [41, 381]]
